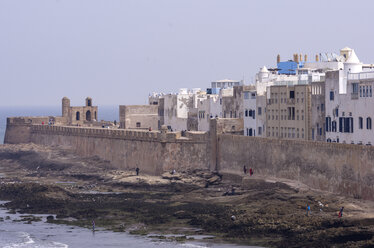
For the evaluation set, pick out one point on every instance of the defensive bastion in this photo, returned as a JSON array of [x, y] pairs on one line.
[[339, 168]]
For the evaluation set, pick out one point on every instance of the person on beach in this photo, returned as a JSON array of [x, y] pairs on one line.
[[341, 212], [250, 171], [137, 171], [307, 210], [245, 169], [93, 225]]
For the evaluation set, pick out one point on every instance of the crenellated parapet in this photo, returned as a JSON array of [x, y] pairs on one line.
[[125, 134]]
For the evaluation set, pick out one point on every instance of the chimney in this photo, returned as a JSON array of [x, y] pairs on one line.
[[278, 58], [296, 58], [317, 58], [301, 57], [305, 58]]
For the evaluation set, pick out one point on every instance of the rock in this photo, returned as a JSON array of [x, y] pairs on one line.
[[175, 176], [50, 217], [214, 180]]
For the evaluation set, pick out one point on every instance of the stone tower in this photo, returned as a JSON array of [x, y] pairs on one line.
[[65, 106], [88, 102]]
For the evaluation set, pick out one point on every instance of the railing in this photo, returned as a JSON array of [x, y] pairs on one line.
[[291, 101], [354, 96], [361, 75]]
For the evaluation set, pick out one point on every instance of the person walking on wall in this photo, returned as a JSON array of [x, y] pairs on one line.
[[137, 171], [245, 169], [341, 212]]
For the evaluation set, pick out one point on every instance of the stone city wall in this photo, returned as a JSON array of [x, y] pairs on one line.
[[153, 152], [341, 168]]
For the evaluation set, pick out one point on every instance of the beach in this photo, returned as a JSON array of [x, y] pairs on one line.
[[198, 207]]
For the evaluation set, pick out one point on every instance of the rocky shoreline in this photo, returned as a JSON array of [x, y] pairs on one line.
[[51, 180]]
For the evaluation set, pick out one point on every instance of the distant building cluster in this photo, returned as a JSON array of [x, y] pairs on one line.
[[328, 99]]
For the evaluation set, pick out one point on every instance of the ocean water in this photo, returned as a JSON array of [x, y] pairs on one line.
[[108, 113], [15, 233]]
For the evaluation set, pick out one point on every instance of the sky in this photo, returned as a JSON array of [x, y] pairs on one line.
[[119, 51]]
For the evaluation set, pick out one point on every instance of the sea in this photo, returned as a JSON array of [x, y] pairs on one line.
[[39, 234], [16, 233]]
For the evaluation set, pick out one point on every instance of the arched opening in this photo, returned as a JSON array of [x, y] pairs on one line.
[[88, 115], [89, 102], [368, 123], [77, 116], [95, 116]]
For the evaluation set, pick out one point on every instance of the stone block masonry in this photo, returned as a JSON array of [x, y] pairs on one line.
[[338, 168], [153, 152]]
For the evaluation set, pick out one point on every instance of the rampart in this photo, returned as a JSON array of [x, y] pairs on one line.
[[340, 168], [152, 151]]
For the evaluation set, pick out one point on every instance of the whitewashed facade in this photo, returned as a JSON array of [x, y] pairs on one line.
[[349, 103], [250, 111]]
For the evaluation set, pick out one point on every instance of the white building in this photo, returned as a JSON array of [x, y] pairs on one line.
[[208, 107], [225, 83], [349, 102], [249, 105]]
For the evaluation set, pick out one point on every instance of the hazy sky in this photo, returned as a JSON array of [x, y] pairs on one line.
[[118, 52]]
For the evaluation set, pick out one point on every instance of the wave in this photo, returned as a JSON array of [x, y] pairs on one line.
[[58, 245], [27, 240]]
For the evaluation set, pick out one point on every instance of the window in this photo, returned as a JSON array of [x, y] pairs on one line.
[[246, 95], [246, 112], [368, 123], [253, 96], [259, 130], [346, 124], [371, 93], [328, 124], [333, 126], [291, 113], [360, 91], [360, 122], [250, 113], [77, 116], [355, 88], [337, 112], [138, 124], [259, 111], [250, 132], [292, 94], [254, 114], [331, 95]]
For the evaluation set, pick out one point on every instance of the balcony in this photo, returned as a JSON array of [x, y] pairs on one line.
[[354, 96], [291, 101], [361, 76]]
